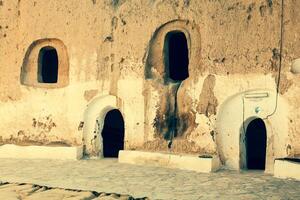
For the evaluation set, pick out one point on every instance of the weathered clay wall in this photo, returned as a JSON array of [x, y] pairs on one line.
[[112, 45], [290, 81], [39, 115]]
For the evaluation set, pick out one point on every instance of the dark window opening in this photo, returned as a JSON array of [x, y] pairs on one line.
[[48, 65], [113, 133], [177, 56], [256, 143]]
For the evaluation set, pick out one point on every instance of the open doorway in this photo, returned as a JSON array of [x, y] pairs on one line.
[[176, 56], [255, 144], [113, 133]]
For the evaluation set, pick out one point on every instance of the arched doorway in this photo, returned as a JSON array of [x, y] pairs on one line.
[[113, 133], [256, 143]]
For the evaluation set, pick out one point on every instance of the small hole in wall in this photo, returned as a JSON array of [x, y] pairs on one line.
[[47, 65], [176, 56]]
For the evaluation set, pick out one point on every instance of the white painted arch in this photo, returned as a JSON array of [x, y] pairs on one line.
[[94, 117], [233, 118]]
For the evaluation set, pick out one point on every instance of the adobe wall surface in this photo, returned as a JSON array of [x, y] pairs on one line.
[[115, 48]]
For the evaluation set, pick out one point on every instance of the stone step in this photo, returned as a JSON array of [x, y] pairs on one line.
[[40, 152], [184, 162], [287, 168]]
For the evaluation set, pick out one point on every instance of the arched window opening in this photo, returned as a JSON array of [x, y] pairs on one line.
[[256, 143], [47, 65], [113, 133], [176, 56]]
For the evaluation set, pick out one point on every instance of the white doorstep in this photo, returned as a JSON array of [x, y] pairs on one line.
[[287, 169], [40, 152], [185, 162]]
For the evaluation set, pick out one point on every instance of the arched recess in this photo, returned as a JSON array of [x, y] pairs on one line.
[[94, 117], [161, 91], [155, 61], [30, 71], [233, 118]]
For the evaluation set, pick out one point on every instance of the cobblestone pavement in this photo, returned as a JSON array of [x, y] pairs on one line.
[[140, 181], [13, 191]]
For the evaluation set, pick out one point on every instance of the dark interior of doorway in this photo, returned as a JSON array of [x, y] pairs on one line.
[[256, 143], [113, 133], [48, 65], [177, 58]]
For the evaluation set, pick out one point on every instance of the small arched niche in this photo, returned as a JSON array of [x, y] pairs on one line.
[[176, 56], [173, 52], [46, 64]]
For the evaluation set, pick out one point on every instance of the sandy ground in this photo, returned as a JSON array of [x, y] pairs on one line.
[[109, 176]]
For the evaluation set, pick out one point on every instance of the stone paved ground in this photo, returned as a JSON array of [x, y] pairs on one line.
[[153, 182], [13, 191]]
